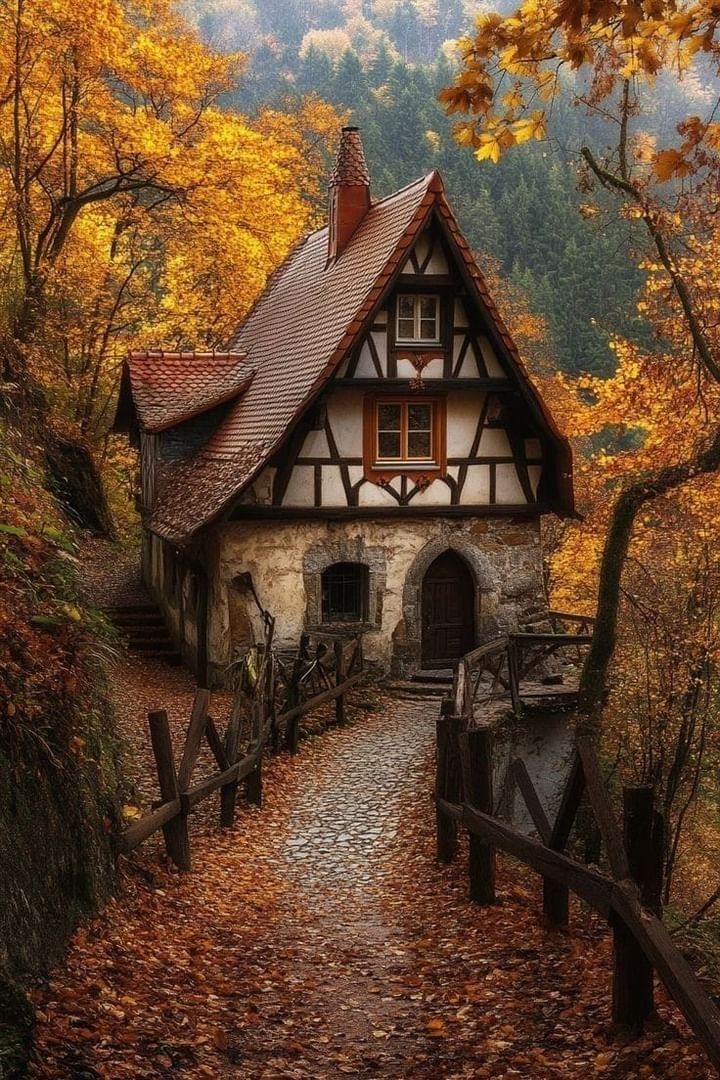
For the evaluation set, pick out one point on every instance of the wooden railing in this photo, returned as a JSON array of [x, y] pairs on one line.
[[323, 669], [498, 668], [261, 715], [627, 895]]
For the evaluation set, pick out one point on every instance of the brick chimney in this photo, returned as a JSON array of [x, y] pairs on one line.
[[349, 192]]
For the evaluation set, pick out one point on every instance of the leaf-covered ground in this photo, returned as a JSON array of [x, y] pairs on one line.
[[318, 938]]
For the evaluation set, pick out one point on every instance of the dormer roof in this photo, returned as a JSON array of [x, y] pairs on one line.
[[168, 388]]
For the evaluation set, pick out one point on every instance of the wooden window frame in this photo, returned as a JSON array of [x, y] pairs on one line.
[[379, 471], [417, 297]]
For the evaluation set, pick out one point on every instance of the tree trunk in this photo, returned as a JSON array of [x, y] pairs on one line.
[[593, 681]]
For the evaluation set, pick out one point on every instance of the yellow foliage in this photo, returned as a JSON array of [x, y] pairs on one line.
[[131, 203]]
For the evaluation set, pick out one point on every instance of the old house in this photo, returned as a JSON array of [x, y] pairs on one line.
[[368, 453]]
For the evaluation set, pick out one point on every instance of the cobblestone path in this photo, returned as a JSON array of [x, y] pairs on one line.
[[318, 939]]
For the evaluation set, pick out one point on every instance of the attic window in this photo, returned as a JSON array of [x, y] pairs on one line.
[[418, 318]]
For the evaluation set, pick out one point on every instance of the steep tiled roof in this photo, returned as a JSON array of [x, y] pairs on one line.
[[350, 166], [169, 387], [296, 336]]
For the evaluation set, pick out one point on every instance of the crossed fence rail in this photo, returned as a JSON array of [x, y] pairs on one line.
[[271, 694], [502, 667], [628, 895]]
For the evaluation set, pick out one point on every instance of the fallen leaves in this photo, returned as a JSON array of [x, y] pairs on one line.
[[357, 959]]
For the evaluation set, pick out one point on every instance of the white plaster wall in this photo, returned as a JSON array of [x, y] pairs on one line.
[[494, 368], [435, 494], [315, 445], [460, 317], [365, 368], [463, 412], [301, 487], [273, 552], [407, 370], [509, 489], [345, 413], [476, 489], [469, 368]]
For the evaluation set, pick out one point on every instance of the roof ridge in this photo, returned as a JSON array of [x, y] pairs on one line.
[[426, 179]]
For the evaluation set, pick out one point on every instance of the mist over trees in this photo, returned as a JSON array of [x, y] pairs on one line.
[[383, 63]]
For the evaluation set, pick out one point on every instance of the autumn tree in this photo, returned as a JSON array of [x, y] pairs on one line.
[[606, 56], [135, 207]]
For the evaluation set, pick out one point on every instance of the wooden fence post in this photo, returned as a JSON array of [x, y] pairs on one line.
[[292, 734], [556, 898], [339, 676], [228, 793], [448, 779], [476, 761], [253, 787], [513, 652], [644, 844], [633, 998], [175, 831]]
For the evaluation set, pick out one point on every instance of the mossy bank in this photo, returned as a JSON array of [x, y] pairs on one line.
[[59, 755]]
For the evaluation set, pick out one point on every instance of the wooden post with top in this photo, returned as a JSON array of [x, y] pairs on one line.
[[476, 762], [339, 676], [633, 976], [175, 831], [448, 779], [292, 735]]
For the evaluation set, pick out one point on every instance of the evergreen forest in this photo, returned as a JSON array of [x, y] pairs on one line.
[[382, 64]]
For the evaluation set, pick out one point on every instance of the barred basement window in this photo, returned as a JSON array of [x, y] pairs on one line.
[[345, 592]]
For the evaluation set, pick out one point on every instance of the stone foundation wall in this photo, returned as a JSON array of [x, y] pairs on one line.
[[286, 560]]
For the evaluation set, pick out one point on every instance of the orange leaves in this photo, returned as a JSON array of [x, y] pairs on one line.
[[670, 163], [612, 41], [530, 127]]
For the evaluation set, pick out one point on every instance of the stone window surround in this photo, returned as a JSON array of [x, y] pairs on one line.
[[322, 555]]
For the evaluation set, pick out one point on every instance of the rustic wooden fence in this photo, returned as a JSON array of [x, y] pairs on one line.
[[264, 715], [504, 667], [628, 896]]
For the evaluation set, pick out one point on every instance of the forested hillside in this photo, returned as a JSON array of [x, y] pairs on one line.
[[384, 62]]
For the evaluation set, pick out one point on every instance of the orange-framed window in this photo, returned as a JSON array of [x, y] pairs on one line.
[[405, 432]]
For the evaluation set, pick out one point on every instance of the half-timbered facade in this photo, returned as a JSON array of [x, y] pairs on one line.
[[368, 454]]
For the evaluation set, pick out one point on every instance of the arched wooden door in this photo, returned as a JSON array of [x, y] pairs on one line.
[[448, 604]]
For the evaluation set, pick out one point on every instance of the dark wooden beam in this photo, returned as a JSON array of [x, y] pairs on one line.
[[335, 513], [498, 386]]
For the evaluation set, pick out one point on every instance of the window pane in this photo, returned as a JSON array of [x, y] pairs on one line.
[[419, 417], [344, 592], [388, 444], [406, 329], [428, 329], [419, 444], [406, 307], [389, 417], [428, 307]]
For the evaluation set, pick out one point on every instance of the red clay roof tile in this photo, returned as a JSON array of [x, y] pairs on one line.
[[169, 387]]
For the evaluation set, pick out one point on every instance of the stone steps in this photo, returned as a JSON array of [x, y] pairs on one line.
[[144, 628]]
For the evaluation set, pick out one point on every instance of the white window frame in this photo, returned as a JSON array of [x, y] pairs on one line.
[[417, 339]]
